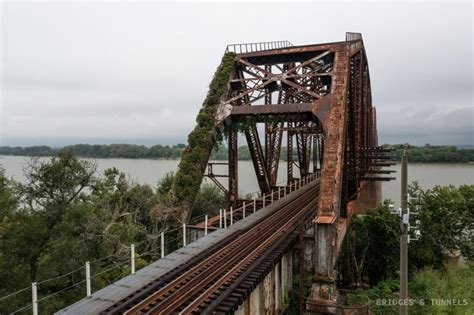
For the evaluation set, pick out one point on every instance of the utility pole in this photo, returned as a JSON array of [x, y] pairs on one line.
[[404, 222]]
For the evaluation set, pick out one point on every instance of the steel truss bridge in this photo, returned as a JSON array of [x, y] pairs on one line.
[[313, 99]]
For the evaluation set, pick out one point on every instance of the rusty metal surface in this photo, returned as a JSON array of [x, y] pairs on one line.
[[335, 140], [273, 109], [233, 168], [325, 219]]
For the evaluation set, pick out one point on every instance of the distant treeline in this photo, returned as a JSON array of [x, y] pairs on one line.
[[129, 151], [426, 154], [433, 153]]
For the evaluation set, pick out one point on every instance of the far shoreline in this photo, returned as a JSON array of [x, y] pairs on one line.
[[178, 159]]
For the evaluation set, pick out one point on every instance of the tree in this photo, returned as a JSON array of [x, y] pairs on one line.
[[371, 247], [208, 201], [446, 224], [51, 189], [367, 237]]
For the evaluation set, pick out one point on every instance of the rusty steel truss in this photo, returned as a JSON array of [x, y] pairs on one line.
[[316, 100]]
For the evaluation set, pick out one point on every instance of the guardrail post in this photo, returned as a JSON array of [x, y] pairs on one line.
[[184, 234], [34, 298], [243, 210], [271, 199], [88, 278], [220, 218], [263, 200], [225, 219], [132, 258], [254, 204], [205, 226], [162, 244], [231, 216], [279, 190]]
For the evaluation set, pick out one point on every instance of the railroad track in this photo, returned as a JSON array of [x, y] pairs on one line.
[[220, 278]]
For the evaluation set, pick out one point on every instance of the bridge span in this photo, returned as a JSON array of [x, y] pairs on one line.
[[317, 100]]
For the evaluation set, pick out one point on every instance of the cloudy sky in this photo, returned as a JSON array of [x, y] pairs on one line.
[[137, 72]]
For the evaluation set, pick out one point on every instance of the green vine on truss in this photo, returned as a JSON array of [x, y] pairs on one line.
[[201, 140]]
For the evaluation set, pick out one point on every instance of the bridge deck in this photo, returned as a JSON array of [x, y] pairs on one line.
[[111, 298]]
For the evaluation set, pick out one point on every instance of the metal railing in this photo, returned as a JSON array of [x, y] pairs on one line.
[[353, 36], [253, 47]]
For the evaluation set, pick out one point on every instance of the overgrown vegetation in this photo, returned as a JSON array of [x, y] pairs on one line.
[[423, 154], [446, 291], [201, 140], [369, 258], [66, 213]]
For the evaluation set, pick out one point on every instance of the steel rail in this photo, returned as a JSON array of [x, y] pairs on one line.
[[141, 294], [237, 264], [204, 268], [170, 297], [239, 269]]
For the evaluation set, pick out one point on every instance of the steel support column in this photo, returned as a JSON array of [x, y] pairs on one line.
[[233, 168]]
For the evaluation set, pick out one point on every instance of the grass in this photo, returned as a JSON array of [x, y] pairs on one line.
[[448, 291]]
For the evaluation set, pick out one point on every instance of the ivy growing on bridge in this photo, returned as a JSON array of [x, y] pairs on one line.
[[201, 140]]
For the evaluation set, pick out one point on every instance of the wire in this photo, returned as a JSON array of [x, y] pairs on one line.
[[107, 270], [100, 259], [60, 276], [147, 252], [60, 291], [21, 309], [14, 293]]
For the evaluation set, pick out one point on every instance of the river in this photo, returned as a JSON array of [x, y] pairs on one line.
[[146, 171]]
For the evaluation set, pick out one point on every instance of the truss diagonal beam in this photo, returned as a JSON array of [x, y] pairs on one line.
[[256, 152]]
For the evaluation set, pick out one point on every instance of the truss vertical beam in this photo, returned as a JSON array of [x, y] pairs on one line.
[[268, 126], [276, 133], [233, 168], [289, 157]]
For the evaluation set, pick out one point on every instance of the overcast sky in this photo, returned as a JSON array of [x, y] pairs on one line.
[[127, 72]]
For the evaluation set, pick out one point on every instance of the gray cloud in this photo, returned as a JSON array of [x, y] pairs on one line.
[[138, 72]]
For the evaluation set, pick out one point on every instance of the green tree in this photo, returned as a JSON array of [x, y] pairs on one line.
[[446, 224], [208, 201], [51, 189], [369, 235]]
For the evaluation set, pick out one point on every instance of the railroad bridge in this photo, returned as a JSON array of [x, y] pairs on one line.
[[316, 100]]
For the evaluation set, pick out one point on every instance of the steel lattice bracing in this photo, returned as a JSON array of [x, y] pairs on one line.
[[278, 90], [319, 95], [317, 99]]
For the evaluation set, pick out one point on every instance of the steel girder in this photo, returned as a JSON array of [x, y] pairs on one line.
[[320, 96]]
